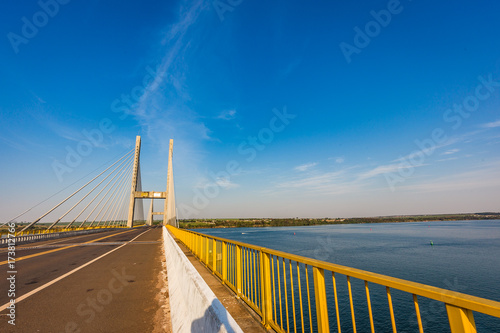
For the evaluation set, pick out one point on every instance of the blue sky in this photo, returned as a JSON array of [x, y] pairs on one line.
[[336, 108]]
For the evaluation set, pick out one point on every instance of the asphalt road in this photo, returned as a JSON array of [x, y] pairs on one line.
[[118, 292]]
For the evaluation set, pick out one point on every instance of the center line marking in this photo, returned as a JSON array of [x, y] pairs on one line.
[[63, 248]]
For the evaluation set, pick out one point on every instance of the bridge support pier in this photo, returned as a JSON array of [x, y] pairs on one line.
[[149, 221]]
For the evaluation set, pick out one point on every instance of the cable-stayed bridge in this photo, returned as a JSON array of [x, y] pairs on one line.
[[113, 198], [94, 263]]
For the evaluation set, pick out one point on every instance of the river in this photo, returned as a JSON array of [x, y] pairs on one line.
[[462, 256]]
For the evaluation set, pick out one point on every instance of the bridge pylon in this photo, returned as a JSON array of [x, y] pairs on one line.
[[136, 192], [135, 172], [169, 213]]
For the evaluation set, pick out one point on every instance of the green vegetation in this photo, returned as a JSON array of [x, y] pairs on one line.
[[240, 223]]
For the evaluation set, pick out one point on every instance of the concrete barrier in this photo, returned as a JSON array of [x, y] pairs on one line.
[[194, 307]]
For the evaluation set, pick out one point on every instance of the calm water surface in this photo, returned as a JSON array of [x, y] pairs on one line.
[[465, 256]]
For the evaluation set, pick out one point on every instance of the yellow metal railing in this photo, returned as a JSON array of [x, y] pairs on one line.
[[289, 292]]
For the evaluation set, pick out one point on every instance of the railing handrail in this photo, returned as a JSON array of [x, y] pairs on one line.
[[458, 299]]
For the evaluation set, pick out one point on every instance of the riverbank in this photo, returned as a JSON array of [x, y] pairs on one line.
[[287, 222]]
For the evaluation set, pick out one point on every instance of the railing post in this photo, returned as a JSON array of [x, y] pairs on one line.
[[197, 251], [214, 255], [239, 270], [266, 297], [461, 320], [320, 296], [224, 262], [200, 246], [207, 252]]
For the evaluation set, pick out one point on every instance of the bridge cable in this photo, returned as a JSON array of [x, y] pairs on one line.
[[120, 205], [114, 197], [116, 200], [118, 173], [59, 204], [85, 196], [116, 186], [105, 195], [122, 165], [53, 195]]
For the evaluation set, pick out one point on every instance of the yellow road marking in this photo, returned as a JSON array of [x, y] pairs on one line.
[[62, 248], [30, 246]]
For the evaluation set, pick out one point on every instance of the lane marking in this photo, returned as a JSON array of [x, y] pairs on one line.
[[62, 248], [88, 244], [48, 284], [31, 246]]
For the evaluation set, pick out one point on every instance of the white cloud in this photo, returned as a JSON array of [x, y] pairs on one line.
[[448, 159], [451, 151], [492, 124], [305, 167], [156, 110], [420, 155], [380, 170], [227, 115], [226, 183], [162, 112], [327, 183], [486, 176], [339, 160], [222, 182]]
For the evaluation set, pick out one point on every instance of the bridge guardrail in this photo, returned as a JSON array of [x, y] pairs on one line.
[[267, 280], [38, 235]]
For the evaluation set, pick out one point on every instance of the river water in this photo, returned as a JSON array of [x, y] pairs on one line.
[[464, 257]]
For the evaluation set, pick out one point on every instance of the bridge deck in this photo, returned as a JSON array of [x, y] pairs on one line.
[[122, 291]]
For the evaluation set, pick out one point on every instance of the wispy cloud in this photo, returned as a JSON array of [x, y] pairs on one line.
[[451, 151], [326, 183], [158, 109], [227, 115], [380, 170], [224, 183], [424, 156], [339, 160], [492, 124], [163, 111], [305, 167], [62, 130], [447, 159], [485, 176]]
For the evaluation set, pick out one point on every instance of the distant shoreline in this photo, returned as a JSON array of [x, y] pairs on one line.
[[289, 222], [300, 222]]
